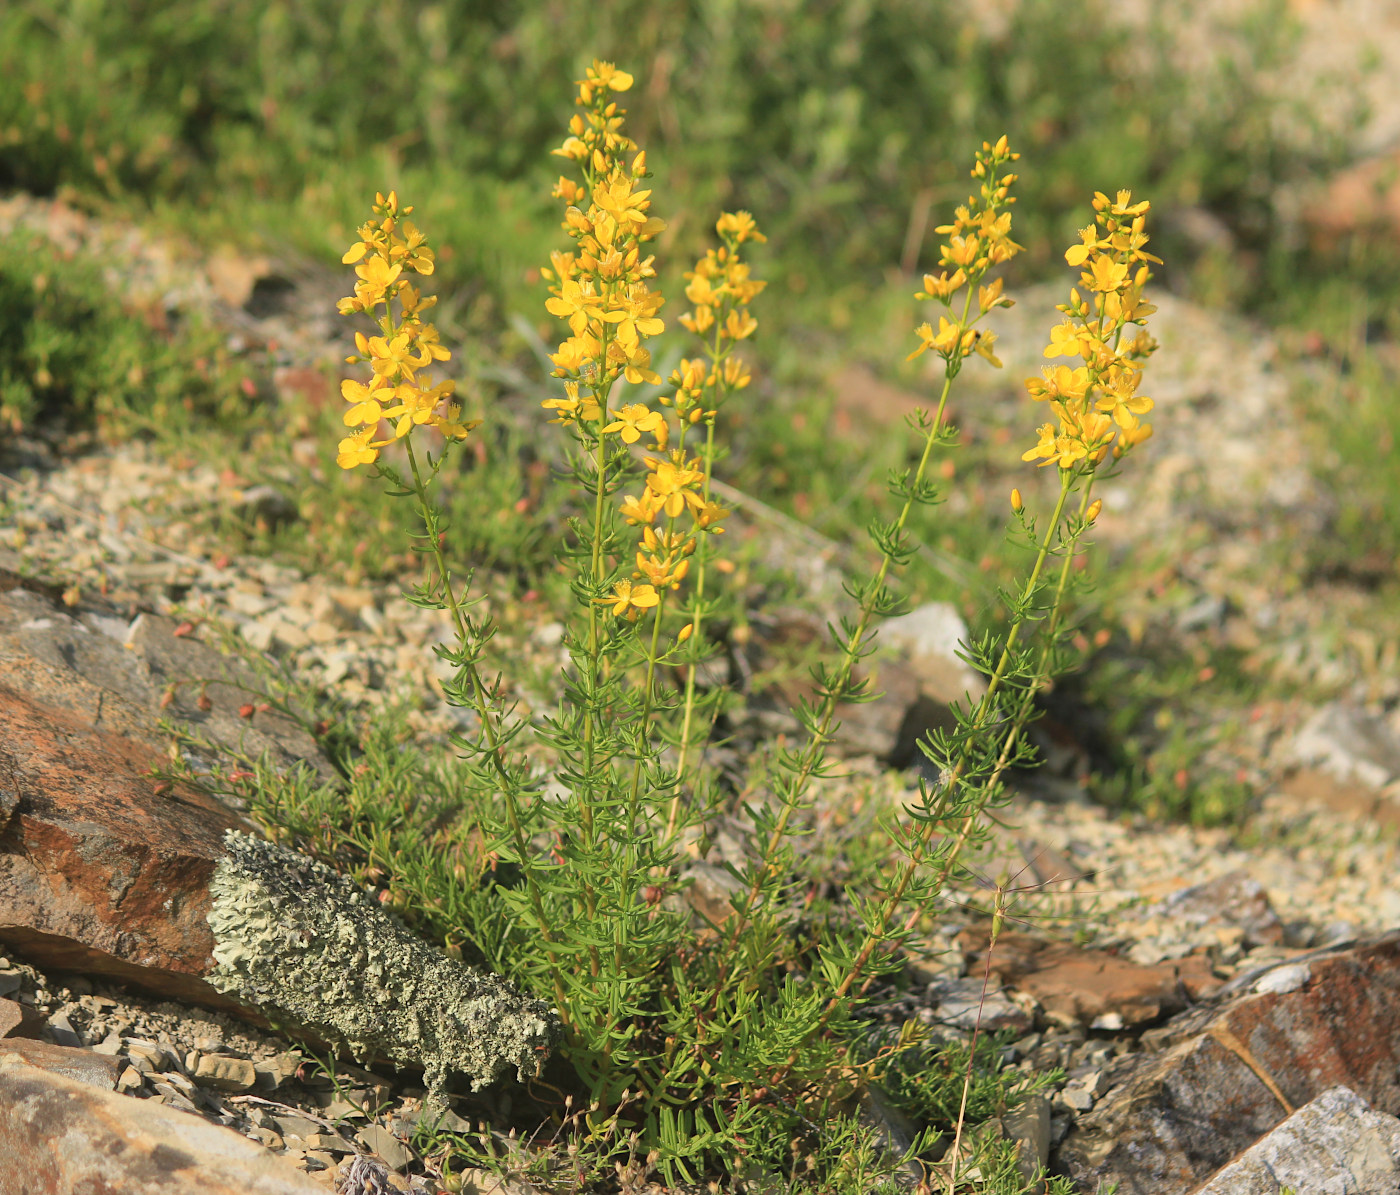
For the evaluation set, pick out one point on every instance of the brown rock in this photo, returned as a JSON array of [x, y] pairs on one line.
[[226, 1074], [1075, 985], [100, 872], [81, 1066], [63, 1136], [1235, 1072], [19, 1020], [125, 677]]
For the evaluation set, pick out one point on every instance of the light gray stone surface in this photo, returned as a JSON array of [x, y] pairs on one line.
[[1336, 1145]]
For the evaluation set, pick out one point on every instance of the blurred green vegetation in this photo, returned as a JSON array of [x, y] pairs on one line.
[[69, 344], [844, 124]]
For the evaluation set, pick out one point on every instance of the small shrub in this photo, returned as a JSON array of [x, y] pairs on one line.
[[739, 1045]]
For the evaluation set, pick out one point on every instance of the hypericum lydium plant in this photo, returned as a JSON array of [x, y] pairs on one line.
[[732, 1043]]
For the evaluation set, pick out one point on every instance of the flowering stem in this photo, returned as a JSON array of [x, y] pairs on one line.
[[697, 625], [1018, 721], [481, 702], [877, 932], [815, 750]]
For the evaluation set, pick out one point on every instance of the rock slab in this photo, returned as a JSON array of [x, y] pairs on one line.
[[1230, 1073], [1337, 1144], [61, 1137], [102, 869]]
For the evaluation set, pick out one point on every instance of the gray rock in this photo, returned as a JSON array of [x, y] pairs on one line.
[[267, 505], [386, 1145], [1228, 1075], [1234, 899], [303, 943], [60, 1134], [1029, 1125], [929, 639], [1350, 745], [961, 1003], [1336, 1145]]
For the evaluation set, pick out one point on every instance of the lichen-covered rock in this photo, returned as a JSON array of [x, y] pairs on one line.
[[306, 945]]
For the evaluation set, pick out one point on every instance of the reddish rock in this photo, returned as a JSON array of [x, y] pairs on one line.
[[1074, 985], [100, 870], [18, 1020], [58, 1136], [1234, 1072], [81, 1066]]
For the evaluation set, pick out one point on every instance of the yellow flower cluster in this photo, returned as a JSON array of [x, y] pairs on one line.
[[397, 389], [1096, 403], [600, 288], [979, 239], [720, 289]]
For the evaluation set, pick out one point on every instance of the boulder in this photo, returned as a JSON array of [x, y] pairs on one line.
[[1230, 1072], [123, 672], [103, 869], [916, 674], [1234, 899], [62, 1135], [1337, 1142]]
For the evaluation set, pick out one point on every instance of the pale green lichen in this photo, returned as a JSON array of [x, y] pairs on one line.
[[307, 946]]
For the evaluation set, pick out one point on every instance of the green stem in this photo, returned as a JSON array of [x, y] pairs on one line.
[[815, 750], [490, 728], [697, 630], [876, 934]]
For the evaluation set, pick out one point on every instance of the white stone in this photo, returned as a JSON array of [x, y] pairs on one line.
[[1336, 1145], [1284, 979]]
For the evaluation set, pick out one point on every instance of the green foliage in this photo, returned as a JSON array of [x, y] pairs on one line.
[[261, 111], [72, 354]]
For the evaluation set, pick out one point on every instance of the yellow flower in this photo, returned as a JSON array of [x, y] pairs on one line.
[[630, 600], [700, 321], [738, 226], [708, 516], [1077, 255], [672, 482], [378, 275], [389, 357], [451, 424], [357, 449], [620, 201], [366, 400], [1105, 274], [576, 303], [634, 318], [575, 355], [641, 510], [573, 408], [1049, 447], [636, 365], [736, 373], [1066, 340], [1060, 382], [636, 418], [739, 325], [605, 74], [665, 573], [944, 343], [942, 286], [1130, 438]]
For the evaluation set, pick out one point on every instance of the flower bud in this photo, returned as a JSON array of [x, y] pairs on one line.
[[1016, 503], [1093, 512]]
